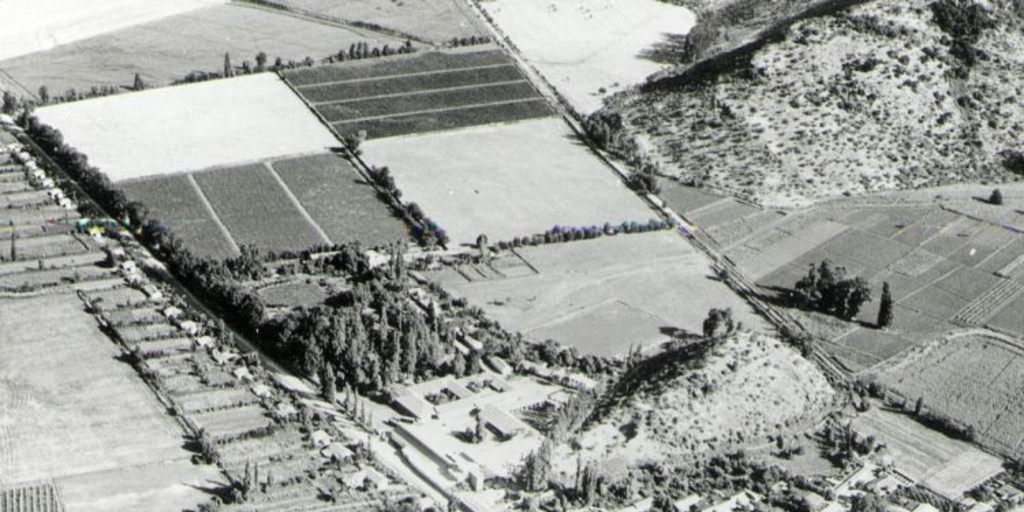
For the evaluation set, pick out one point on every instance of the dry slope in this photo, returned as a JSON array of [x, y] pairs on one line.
[[888, 94], [736, 394]]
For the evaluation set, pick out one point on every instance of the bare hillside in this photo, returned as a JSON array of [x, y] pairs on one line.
[[888, 94], [735, 395]]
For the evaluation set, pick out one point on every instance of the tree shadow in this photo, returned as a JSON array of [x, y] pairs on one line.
[[677, 333], [670, 50], [985, 200]]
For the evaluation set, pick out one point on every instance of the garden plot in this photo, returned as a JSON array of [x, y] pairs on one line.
[[233, 423], [40, 247], [166, 50], [652, 283], [30, 26], [507, 181], [52, 277], [190, 127], [73, 413], [944, 465], [589, 49], [34, 216], [341, 203], [257, 210]]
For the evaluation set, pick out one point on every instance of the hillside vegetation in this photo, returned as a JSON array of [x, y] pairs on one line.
[[888, 94], [734, 395]]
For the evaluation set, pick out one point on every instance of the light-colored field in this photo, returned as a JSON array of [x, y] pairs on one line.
[[169, 49], [434, 20], [29, 26], [71, 412], [656, 281], [190, 127], [582, 46], [506, 180], [944, 465]]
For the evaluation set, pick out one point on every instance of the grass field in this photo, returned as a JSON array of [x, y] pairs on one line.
[[433, 20], [190, 127], [638, 286], [590, 49], [170, 48], [944, 465], [30, 26], [429, 92], [507, 181], [974, 379], [176, 203], [71, 412], [256, 210], [340, 202]]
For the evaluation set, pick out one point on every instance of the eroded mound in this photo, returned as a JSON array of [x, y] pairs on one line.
[[733, 395]]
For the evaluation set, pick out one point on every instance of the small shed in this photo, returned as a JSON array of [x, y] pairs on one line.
[[205, 341], [242, 373], [337, 452], [502, 423], [409, 403], [321, 438], [499, 365], [190, 327], [261, 390], [173, 312]]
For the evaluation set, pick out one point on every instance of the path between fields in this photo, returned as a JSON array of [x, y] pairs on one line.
[[297, 204], [213, 213], [422, 92], [402, 75], [438, 110]]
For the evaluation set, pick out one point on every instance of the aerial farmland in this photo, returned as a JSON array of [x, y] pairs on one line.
[[190, 127], [426, 255], [191, 42]]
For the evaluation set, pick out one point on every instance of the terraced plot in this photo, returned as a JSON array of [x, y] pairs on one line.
[[288, 204], [340, 201], [251, 203], [176, 203], [425, 93]]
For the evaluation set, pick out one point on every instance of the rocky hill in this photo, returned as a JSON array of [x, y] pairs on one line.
[[682, 405], [887, 94]]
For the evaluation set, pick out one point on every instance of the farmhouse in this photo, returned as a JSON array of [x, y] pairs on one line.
[[501, 422], [337, 452], [368, 478]]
